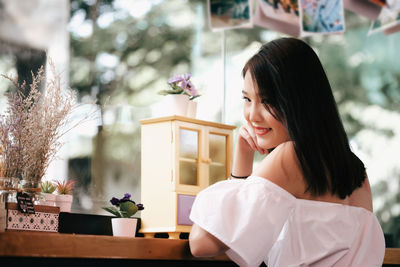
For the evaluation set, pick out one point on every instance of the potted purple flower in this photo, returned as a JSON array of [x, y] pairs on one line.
[[124, 209], [180, 96]]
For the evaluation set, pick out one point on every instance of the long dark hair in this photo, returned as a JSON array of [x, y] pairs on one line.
[[293, 86]]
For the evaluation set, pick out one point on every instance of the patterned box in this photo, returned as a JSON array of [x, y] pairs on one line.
[[45, 219]]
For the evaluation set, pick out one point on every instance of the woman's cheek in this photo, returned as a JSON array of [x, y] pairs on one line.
[[246, 113]]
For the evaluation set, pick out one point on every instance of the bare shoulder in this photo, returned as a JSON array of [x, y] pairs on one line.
[[282, 167], [362, 196]]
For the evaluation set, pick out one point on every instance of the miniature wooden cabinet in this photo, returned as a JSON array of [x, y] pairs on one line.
[[180, 157]]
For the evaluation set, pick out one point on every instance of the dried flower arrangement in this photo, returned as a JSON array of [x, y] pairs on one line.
[[11, 129], [1, 166], [33, 124], [65, 187]]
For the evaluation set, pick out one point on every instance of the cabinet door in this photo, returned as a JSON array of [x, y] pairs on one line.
[[219, 153], [188, 150], [185, 203]]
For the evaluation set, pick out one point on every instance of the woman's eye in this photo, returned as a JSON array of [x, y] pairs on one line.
[[246, 99]]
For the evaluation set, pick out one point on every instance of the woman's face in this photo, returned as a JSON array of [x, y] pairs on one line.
[[269, 131]]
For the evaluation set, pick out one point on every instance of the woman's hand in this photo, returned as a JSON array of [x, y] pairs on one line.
[[244, 151], [247, 139]]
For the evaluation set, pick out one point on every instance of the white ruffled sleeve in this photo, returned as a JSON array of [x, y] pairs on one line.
[[246, 215]]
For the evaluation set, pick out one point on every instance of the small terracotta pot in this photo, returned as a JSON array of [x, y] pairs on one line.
[[49, 199], [64, 202]]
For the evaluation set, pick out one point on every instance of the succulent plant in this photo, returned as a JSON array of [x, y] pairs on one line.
[[65, 187], [48, 187]]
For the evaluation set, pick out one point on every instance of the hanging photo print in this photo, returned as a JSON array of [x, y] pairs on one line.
[[229, 14], [393, 5], [321, 17], [388, 21], [278, 15], [379, 2], [363, 7]]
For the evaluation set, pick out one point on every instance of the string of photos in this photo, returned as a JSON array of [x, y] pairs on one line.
[[301, 18]]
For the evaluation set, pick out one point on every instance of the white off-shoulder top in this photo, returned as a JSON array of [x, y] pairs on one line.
[[260, 221]]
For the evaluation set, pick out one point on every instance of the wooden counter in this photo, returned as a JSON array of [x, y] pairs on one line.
[[31, 245], [20, 245], [392, 256]]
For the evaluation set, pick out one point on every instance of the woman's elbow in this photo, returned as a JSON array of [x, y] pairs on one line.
[[199, 248], [195, 248], [203, 244]]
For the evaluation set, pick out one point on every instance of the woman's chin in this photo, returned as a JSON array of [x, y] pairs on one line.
[[264, 145]]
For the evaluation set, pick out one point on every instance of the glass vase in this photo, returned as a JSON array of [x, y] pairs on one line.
[[31, 187]]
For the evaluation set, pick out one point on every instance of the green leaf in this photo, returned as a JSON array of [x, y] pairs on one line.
[[128, 209], [174, 91], [113, 210], [176, 88]]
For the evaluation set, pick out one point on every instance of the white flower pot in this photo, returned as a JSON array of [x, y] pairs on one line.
[[171, 105], [49, 199], [191, 109], [64, 202], [124, 226]]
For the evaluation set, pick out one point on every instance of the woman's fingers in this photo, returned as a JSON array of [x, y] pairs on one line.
[[252, 133], [246, 136], [247, 132]]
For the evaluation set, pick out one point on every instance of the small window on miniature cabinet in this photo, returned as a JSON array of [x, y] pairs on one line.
[[188, 156], [217, 154]]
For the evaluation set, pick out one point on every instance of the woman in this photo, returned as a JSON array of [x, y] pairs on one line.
[[308, 203]]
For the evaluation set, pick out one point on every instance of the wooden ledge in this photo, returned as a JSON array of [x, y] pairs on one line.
[[392, 256], [187, 119], [56, 245]]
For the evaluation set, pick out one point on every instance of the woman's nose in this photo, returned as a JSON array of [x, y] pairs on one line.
[[255, 112]]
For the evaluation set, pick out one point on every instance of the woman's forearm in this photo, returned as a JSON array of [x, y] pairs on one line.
[[242, 160]]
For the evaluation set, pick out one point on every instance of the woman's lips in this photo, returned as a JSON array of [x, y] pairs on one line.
[[261, 131]]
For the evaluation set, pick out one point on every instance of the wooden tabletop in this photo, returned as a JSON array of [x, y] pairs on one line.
[[56, 245], [49, 245], [392, 256]]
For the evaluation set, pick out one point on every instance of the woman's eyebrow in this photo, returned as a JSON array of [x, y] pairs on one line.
[[244, 92]]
